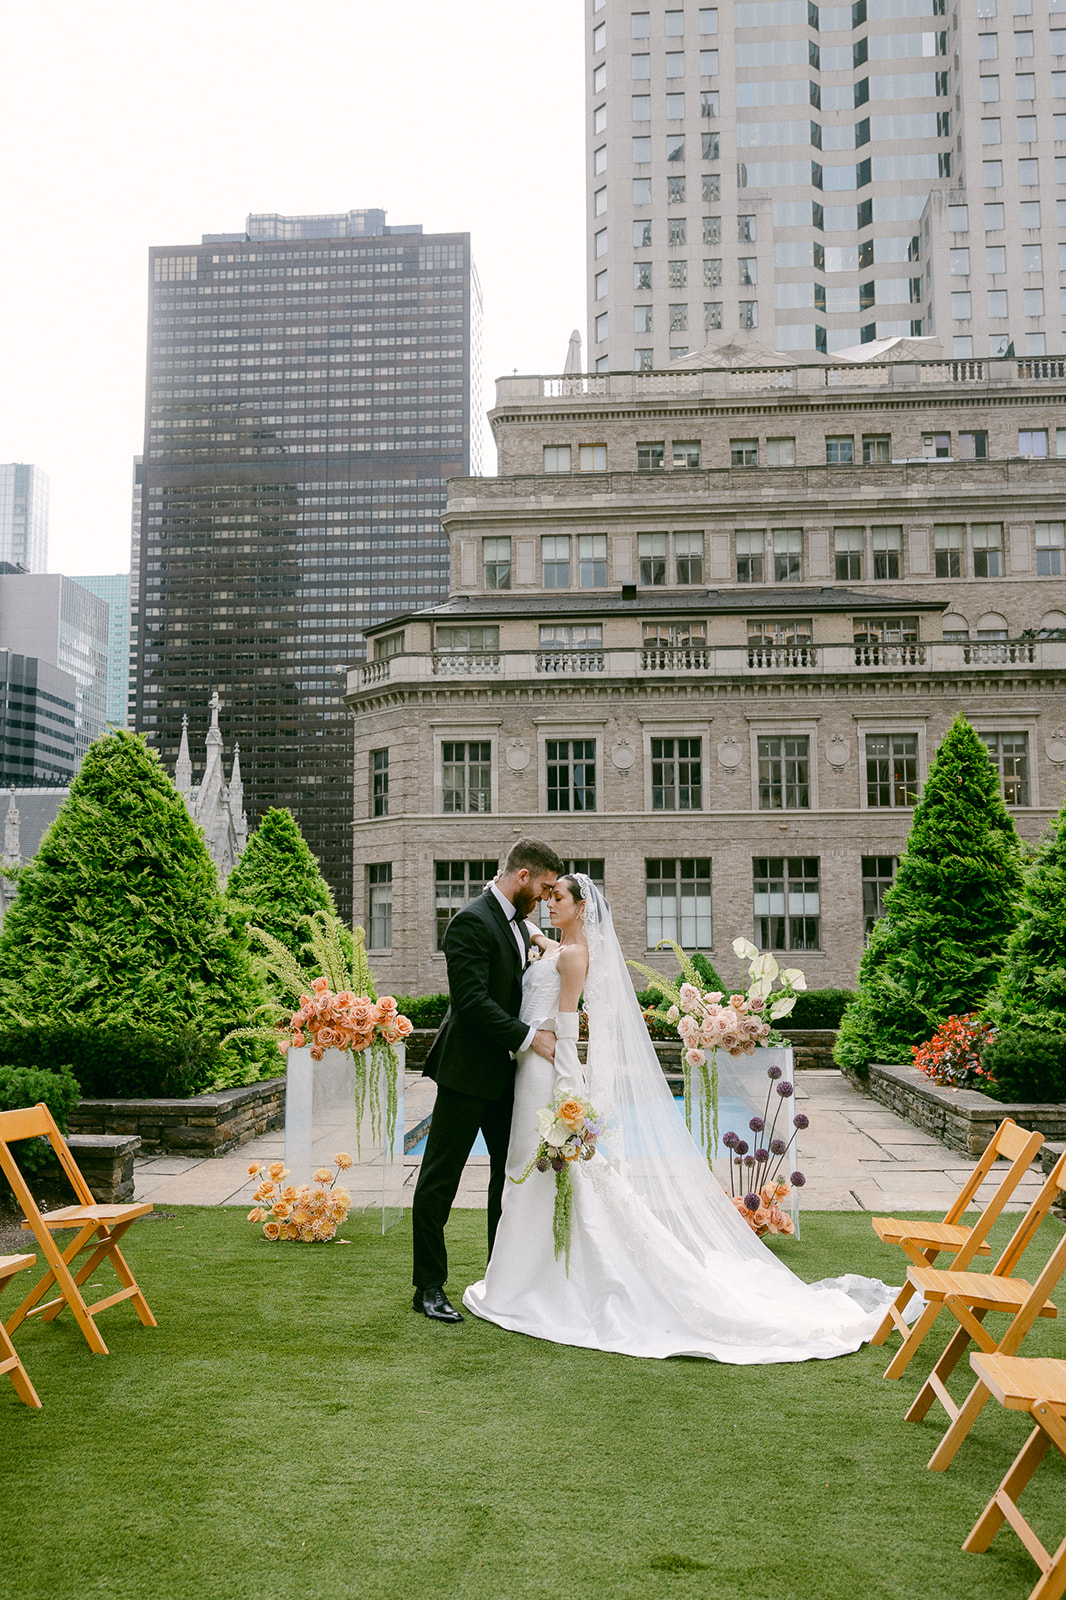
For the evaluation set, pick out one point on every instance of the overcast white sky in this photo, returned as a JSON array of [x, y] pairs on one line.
[[129, 124]]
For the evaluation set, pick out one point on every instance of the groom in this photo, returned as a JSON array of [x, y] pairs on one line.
[[486, 946]]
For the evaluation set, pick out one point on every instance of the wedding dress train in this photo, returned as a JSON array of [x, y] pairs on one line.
[[660, 1262]]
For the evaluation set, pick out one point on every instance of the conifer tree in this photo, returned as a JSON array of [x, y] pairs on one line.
[[1031, 992], [119, 921], [938, 948], [277, 884]]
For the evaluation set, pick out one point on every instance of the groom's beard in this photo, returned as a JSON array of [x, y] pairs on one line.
[[524, 901]]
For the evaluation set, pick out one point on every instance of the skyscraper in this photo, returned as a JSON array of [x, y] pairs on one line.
[[310, 386], [24, 516], [825, 175], [114, 588], [54, 619]]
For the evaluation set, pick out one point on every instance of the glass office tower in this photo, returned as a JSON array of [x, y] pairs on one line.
[[311, 387], [24, 516]]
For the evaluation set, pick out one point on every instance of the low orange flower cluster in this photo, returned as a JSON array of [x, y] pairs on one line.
[[311, 1213], [767, 1216], [343, 1021]]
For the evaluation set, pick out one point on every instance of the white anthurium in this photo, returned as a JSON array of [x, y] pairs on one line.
[[781, 1008], [794, 977], [764, 967], [557, 1135], [744, 949], [545, 1122], [760, 988]]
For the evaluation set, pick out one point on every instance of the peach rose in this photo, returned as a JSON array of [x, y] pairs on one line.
[[256, 1214], [404, 1026], [321, 986], [277, 1169], [387, 1005], [281, 1209], [272, 1230], [283, 1046], [299, 1040], [572, 1113], [288, 1193], [255, 1168]]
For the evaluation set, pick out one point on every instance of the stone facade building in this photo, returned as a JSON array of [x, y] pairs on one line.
[[705, 633]]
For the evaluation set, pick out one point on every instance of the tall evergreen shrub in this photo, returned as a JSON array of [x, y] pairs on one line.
[[1031, 992], [939, 946], [119, 920], [277, 884]]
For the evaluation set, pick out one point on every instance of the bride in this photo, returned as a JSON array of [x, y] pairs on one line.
[[660, 1262]]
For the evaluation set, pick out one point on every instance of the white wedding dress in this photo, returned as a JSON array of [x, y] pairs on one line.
[[660, 1262]]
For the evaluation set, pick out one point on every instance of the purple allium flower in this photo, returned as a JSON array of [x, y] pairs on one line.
[[749, 1161], [558, 1164], [756, 1124], [797, 1180], [752, 1202], [741, 1147], [730, 1140], [773, 1072], [762, 1154], [543, 1164], [800, 1120], [778, 1147], [785, 1089]]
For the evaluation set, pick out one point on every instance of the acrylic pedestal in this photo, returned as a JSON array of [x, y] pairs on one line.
[[322, 1119]]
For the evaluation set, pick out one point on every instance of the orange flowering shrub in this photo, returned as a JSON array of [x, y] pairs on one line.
[[342, 1021], [311, 1213], [953, 1055]]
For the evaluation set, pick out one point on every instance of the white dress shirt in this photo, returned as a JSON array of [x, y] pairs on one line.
[[510, 911]]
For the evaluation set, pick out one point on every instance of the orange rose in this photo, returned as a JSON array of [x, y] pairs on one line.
[[299, 1040], [572, 1114], [277, 1170], [321, 986], [256, 1214], [404, 1026], [288, 1193], [272, 1230], [255, 1168], [281, 1209]]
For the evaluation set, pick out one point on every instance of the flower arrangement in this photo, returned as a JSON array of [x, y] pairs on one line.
[[756, 1186], [568, 1129], [708, 1021], [953, 1055], [311, 1213], [342, 1021]]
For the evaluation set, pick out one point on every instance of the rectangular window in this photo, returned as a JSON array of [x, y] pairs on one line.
[[780, 452], [743, 452], [457, 883], [876, 449], [1010, 757], [675, 63], [641, 66], [678, 902], [839, 450], [451, 639], [784, 772], [642, 191], [379, 783], [787, 902], [687, 454], [947, 549], [677, 274], [878, 873], [708, 63], [888, 551], [555, 561], [748, 313], [749, 556], [379, 906], [592, 458], [961, 306], [1033, 442], [688, 553], [651, 555], [496, 554], [557, 458], [973, 446], [678, 318], [466, 775], [592, 560], [885, 630], [675, 635], [712, 315], [642, 319], [642, 108], [601, 327], [988, 549], [712, 273], [1033, 302], [675, 107], [1050, 544], [601, 285], [676, 775], [788, 555], [391, 645], [848, 547], [992, 174], [993, 216], [709, 146], [891, 769], [650, 456], [571, 774], [675, 24]]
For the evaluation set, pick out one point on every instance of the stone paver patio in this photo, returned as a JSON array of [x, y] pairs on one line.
[[857, 1155]]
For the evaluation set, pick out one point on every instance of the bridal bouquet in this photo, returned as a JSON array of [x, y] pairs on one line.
[[756, 1186], [311, 1212], [568, 1129], [707, 1020]]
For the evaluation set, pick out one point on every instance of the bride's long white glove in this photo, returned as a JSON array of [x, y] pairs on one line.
[[569, 1078]]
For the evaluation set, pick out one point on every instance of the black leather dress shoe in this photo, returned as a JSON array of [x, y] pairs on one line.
[[434, 1304]]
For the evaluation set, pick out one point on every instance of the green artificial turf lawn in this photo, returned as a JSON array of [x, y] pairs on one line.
[[291, 1429]]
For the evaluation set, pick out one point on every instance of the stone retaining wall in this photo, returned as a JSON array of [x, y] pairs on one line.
[[206, 1124], [962, 1119]]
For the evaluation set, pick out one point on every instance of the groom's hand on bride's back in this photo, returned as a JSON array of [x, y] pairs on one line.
[[544, 1044]]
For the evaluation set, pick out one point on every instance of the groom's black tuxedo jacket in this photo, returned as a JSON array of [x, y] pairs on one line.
[[472, 1050]]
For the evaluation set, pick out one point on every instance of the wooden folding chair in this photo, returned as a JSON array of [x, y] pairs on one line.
[[1021, 1383], [922, 1242], [9, 1359], [970, 1296], [99, 1229]]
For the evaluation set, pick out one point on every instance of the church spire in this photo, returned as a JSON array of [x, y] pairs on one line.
[[183, 765], [12, 845]]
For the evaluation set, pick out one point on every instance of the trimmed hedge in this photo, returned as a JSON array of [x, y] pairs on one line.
[[118, 1062], [818, 1008], [425, 1011], [21, 1087], [1025, 1064]]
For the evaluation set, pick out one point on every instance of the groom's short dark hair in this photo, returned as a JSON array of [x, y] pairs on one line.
[[534, 855]]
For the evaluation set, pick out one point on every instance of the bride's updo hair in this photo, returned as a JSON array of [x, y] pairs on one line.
[[573, 885]]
